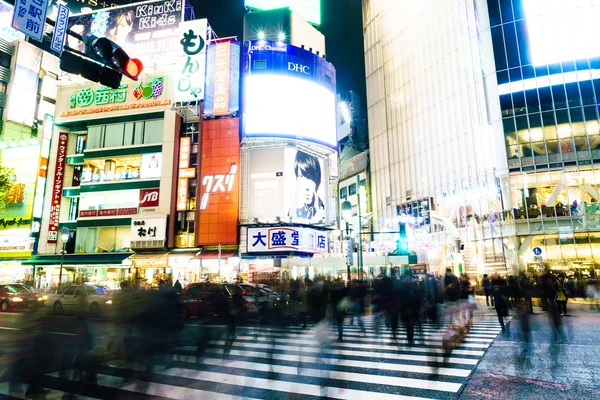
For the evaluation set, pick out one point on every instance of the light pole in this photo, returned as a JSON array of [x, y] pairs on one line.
[[346, 209], [64, 236]]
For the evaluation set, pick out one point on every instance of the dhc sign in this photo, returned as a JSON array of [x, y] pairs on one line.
[[304, 69]]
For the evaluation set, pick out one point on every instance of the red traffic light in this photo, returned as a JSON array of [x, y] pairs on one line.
[[133, 68]]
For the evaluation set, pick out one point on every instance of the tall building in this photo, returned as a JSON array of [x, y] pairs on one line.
[[483, 125]]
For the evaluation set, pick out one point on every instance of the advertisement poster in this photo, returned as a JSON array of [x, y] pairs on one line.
[[192, 60], [151, 166], [219, 190], [222, 78], [23, 87], [59, 177], [287, 183], [289, 92], [310, 10], [146, 30]]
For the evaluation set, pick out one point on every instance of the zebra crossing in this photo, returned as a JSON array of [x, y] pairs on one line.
[[290, 362]]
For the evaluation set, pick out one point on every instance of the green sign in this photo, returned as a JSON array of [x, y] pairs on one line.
[[310, 10], [101, 96]]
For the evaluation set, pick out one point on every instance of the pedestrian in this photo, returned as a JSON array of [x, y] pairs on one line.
[[486, 284], [561, 295], [410, 304], [431, 298], [451, 294], [177, 286], [339, 305], [358, 293], [500, 298]]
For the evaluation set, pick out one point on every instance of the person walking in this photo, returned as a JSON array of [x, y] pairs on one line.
[[486, 284], [339, 305], [410, 304], [561, 295]]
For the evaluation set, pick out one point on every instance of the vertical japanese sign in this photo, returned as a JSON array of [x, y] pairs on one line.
[[219, 184], [221, 78], [60, 30], [182, 183], [59, 177], [29, 17], [192, 65]]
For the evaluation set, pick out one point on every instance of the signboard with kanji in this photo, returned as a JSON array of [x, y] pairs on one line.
[[145, 229], [268, 239], [59, 177], [29, 17]]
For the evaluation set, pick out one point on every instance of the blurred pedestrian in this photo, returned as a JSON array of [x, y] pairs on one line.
[[410, 304], [486, 284], [500, 298], [561, 295], [358, 292], [177, 286], [451, 294], [339, 305], [431, 298]]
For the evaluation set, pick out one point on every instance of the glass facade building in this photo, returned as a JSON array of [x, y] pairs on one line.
[[489, 108]]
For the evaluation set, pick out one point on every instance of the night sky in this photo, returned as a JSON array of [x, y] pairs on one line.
[[341, 25]]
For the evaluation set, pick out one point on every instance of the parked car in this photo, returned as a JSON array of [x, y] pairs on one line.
[[214, 300], [12, 298], [268, 299], [95, 300]]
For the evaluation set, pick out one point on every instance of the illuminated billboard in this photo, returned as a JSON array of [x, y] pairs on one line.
[[287, 183], [23, 89], [289, 92], [310, 10], [222, 79], [219, 183], [146, 30], [561, 30]]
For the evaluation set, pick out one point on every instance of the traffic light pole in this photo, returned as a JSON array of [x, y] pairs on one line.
[[359, 248]]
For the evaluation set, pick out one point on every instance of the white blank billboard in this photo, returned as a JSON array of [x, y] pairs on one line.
[[284, 106]]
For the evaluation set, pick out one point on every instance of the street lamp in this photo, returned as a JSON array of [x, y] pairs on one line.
[[64, 236]]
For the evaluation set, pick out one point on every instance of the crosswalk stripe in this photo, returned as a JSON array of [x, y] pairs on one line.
[[360, 353], [155, 389], [53, 394], [412, 368], [363, 345]]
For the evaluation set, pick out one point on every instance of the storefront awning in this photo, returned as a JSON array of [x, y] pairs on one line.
[[213, 255], [78, 259]]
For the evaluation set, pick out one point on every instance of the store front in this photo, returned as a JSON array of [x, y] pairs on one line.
[[14, 272], [151, 270], [108, 269]]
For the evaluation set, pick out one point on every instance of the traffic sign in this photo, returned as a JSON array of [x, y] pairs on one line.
[[537, 251], [60, 28], [29, 17]]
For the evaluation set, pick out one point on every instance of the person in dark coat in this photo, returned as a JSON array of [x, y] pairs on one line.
[[177, 286], [338, 295], [500, 298], [410, 304], [488, 289]]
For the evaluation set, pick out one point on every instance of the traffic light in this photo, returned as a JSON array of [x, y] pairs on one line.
[[402, 242], [111, 54], [104, 62]]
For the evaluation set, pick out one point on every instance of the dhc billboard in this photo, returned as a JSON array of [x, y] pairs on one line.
[[289, 92]]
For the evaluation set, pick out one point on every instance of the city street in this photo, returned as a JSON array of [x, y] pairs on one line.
[[283, 362]]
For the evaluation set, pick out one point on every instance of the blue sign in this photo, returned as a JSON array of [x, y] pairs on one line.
[[286, 238], [60, 29], [537, 251], [29, 17]]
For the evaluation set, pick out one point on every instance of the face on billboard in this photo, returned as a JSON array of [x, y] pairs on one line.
[[147, 30], [287, 183], [561, 30], [310, 10]]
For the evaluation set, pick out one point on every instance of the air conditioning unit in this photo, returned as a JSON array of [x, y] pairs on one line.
[[147, 244]]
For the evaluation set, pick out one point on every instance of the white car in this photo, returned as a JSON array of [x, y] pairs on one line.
[[94, 300]]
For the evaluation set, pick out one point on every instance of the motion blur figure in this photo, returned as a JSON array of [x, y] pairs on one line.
[[410, 304], [500, 298]]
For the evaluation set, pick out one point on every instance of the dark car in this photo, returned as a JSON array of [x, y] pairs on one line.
[[13, 299], [213, 300], [22, 288]]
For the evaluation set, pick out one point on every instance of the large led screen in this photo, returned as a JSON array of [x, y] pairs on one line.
[[289, 92], [310, 10], [287, 183], [561, 30]]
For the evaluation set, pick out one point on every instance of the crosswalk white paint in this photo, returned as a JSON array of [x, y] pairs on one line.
[[265, 362]]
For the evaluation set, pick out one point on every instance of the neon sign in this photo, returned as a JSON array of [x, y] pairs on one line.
[[102, 96], [217, 183], [149, 90]]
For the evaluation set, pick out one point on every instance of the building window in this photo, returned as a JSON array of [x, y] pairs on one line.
[[4, 60], [352, 189], [73, 208], [343, 193], [2, 87], [102, 240], [128, 134]]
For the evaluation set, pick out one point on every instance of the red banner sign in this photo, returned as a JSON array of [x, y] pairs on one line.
[[59, 177], [128, 211], [87, 213], [107, 213]]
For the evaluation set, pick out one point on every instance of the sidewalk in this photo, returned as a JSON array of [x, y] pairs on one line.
[[546, 370]]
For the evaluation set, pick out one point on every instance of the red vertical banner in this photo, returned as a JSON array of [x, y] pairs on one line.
[[219, 184], [59, 178]]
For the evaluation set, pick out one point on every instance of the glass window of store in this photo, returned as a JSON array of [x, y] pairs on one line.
[[125, 134], [103, 239]]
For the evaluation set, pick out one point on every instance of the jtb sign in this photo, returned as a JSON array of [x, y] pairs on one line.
[[286, 238]]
